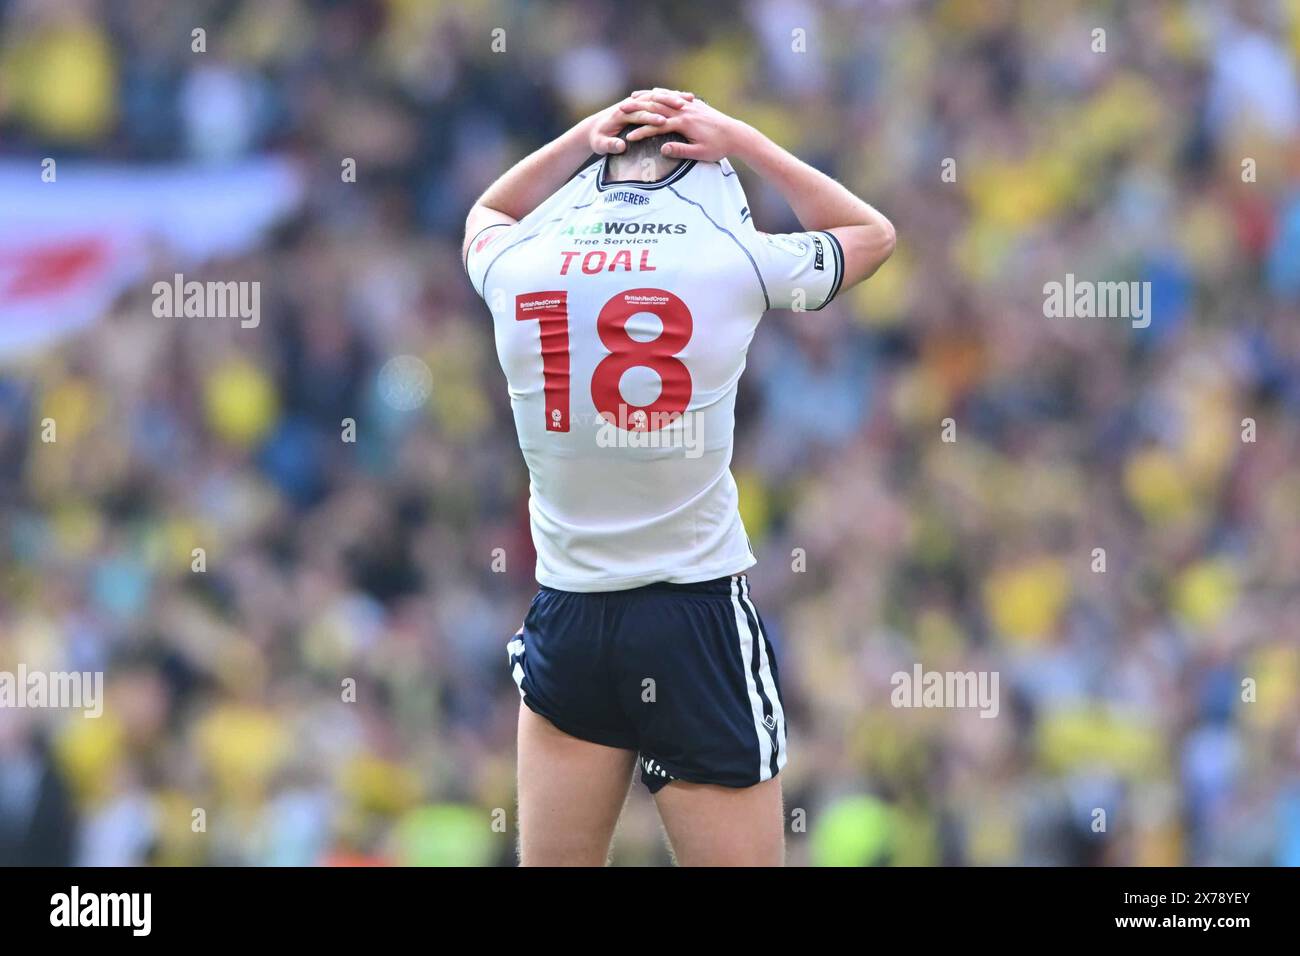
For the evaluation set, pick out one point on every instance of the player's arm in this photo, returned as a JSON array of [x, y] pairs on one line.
[[820, 203], [528, 183]]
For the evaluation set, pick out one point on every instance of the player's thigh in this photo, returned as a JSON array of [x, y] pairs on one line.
[[570, 794], [711, 825]]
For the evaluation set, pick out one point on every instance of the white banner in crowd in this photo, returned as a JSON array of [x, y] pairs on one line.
[[68, 248]]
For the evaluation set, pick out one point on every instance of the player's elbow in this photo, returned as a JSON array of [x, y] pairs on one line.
[[883, 240], [867, 249], [889, 238]]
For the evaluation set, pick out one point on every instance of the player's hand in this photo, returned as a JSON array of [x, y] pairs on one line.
[[660, 91], [649, 108], [712, 134]]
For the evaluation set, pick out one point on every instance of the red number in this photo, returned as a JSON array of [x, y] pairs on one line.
[[659, 354], [551, 310]]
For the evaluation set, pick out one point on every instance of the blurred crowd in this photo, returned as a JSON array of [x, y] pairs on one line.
[[332, 688]]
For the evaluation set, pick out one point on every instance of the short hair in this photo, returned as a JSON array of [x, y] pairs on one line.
[[640, 151]]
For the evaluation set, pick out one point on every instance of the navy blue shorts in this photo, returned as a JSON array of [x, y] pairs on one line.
[[682, 673]]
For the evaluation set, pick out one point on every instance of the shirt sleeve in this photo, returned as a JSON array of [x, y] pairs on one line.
[[483, 248], [800, 270]]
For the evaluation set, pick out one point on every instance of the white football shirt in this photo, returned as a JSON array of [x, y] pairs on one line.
[[623, 312]]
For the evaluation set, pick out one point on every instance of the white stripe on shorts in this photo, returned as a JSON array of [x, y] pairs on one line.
[[755, 703], [769, 685]]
